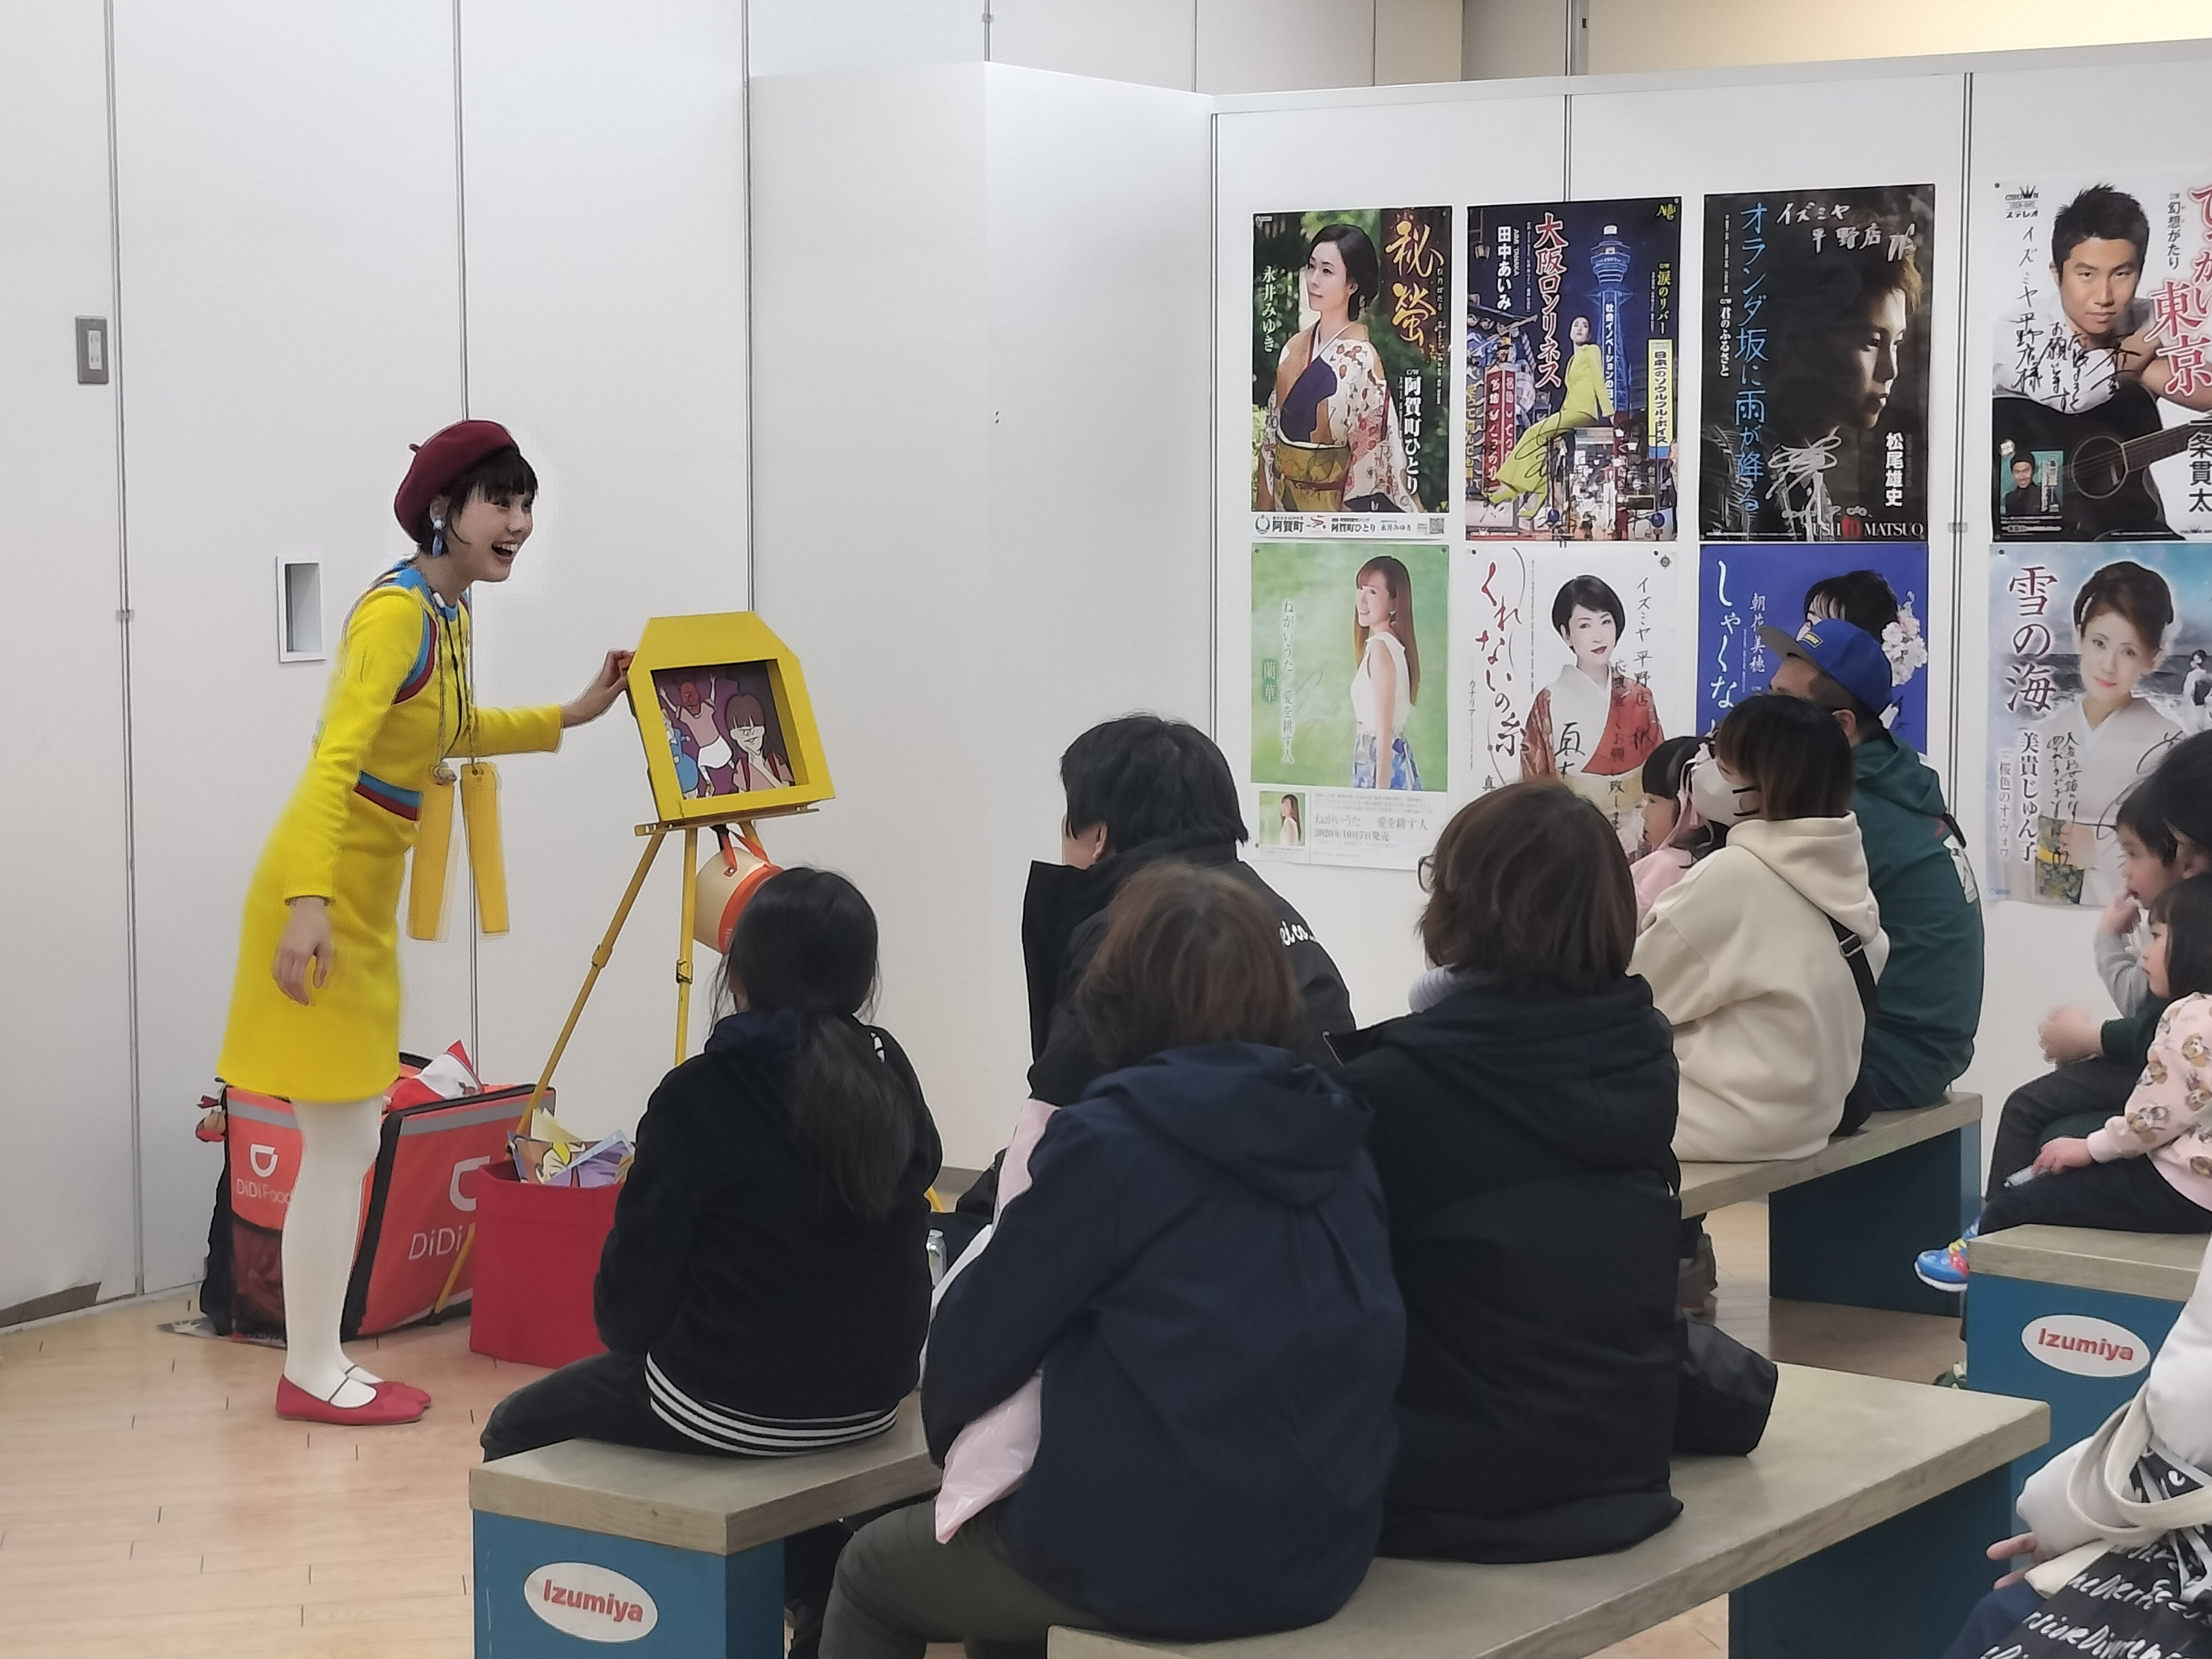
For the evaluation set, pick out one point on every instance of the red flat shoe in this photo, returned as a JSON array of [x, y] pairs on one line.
[[423, 1395], [387, 1406]]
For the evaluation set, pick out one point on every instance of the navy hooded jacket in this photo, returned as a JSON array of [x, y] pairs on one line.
[[1201, 1267]]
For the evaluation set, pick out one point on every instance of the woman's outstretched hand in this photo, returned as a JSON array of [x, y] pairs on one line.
[[595, 699], [306, 939]]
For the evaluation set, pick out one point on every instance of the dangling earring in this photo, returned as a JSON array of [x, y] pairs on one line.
[[437, 535]]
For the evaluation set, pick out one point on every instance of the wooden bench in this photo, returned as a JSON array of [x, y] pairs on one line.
[[1840, 1229], [608, 1544], [2071, 1317], [1856, 1529]]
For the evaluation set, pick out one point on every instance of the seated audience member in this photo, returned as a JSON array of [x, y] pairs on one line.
[[1744, 955], [2150, 1169], [1139, 789], [1523, 1112], [2075, 1515], [1670, 823], [2096, 1063], [1922, 1037], [1201, 1269], [766, 1286]]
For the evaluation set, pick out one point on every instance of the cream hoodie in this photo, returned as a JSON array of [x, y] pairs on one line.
[[1767, 1021]]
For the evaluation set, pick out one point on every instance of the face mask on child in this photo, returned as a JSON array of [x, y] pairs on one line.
[[1717, 800]]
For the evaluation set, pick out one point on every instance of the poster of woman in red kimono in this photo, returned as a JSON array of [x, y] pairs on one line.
[[1595, 724]]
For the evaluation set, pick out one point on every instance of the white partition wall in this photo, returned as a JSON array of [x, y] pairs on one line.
[[66, 1224], [979, 394], [604, 154], [1506, 145], [1960, 125], [287, 197]]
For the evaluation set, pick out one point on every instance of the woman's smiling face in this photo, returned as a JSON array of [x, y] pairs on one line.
[[1372, 605], [1591, 635], [2113, 657]]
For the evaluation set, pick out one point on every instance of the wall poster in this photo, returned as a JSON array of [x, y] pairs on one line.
[[1351, 648], [1351, 326], [1744, 588], [1815, 375], [1571, 370], [2098, 664], [2100, 377]]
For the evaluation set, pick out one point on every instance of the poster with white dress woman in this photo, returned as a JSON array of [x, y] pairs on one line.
[[2090, 658], [1348, 713]]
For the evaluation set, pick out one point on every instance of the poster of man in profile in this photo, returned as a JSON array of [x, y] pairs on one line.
[[1815, 379], [2101, 366], [1570, 370]]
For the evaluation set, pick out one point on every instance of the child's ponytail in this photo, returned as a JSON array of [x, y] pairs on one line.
[[2184, 910], [806, 943]]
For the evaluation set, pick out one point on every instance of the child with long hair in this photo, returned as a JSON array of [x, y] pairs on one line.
[[2149, 1170], [766, 1287]]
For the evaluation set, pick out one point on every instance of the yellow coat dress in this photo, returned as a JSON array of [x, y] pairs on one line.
[[397, 706]]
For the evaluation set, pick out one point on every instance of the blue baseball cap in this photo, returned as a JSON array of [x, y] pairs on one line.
[[1846, 653]]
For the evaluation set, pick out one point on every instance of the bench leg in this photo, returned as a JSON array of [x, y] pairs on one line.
[[543, 1592], [2012, 1326], [1850, 1237], [1900, 1590]]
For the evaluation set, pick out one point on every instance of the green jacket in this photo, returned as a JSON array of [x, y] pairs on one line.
[[1931, 988]]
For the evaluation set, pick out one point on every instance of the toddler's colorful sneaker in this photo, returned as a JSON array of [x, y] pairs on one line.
[[1946, 1269]]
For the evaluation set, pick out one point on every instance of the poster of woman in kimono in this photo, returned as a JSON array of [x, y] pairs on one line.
[[1571, 387], [2089, 662], [1594, 725], [1349, 315], [1815, 377]]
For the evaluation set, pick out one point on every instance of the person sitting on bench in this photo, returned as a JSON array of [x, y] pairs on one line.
[[2149, 1170], [1523, 1112], [1139, 789], [1749, 955], [1921, 1036], [1201, 1270], [765, 1290]]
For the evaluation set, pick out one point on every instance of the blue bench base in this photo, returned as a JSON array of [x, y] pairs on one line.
[[683, 1604], [1900, 1590], [1850, 1237], [2001, 1311]]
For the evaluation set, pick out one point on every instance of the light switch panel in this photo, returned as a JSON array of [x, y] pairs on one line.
[[92, 352]]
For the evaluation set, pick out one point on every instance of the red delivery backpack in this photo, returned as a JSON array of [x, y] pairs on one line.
[[416, 1207]]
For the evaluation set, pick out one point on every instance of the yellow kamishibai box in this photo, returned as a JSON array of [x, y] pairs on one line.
[[709, 645]]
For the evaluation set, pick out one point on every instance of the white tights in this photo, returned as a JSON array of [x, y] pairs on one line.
[[338, 1144]]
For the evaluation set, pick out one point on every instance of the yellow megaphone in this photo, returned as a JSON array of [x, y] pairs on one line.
[[730, 877]]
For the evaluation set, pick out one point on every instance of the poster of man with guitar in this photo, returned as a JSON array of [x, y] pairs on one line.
[[2103, 364]]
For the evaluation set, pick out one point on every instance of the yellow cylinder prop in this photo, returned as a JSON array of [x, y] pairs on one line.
[[487, 861], [730, 875], [434, 842]]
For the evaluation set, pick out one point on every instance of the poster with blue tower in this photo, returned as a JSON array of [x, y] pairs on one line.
[[1571, 390]]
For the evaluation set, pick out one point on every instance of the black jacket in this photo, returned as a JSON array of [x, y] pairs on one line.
[[737, 1266], [1521, 1139], [1201, 1268], [1064, 919]]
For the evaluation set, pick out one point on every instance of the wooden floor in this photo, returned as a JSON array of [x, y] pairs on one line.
[[153, 1506]]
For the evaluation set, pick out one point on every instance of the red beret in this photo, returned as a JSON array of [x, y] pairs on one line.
[[440, 460]]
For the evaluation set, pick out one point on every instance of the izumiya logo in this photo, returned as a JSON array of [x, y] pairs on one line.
[[2084, 1346], [589, 1602]]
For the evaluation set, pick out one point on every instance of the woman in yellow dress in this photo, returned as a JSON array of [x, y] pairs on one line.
[[314, 1008], [1585, 400]]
